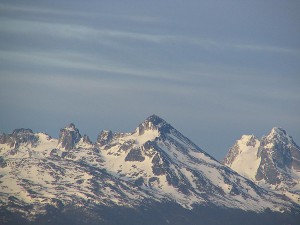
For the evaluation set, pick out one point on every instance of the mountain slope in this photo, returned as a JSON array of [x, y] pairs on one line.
[[160, 159], [155, 164], [272, 162]]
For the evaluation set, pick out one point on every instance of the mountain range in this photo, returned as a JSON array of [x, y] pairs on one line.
[[153, 175]]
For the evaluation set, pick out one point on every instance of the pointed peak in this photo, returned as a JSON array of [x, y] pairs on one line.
[[69, 136], [278, 130], [20, 136], [154, 122], [280, 134], [70, 127], [86, 139]]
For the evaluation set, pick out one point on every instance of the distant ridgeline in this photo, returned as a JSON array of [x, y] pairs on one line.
[[153, 175]]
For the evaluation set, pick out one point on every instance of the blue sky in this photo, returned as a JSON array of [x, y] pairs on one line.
[[213, 69]]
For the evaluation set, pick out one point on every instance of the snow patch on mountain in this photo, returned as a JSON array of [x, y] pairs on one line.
[[247, 160]]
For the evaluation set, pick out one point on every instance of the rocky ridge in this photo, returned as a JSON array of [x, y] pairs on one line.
[[153, 164]]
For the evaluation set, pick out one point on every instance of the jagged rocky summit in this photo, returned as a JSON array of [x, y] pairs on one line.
[[272, 161], [152, 166]]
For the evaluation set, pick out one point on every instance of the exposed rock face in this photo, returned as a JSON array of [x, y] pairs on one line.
[[86, 139], [159, 165], [135, 155], [104, 137], [273, 161], [19, 136], [154, 123], [278, 154], [7, 139], [68, 137]]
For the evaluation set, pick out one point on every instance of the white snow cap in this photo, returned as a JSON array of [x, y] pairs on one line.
[[278, 130], [279, 134]]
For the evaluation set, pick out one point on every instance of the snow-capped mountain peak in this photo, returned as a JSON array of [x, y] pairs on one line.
[[243, 155], [158, 158], [278, 134], [155, 120], [69, 137], [273, 162], [19, 137], [153, 123], [278, 130], [248, 140]]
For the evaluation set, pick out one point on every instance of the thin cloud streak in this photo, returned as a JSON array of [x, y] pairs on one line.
[[100, 64], [266, 48], [82, 62], [71, 31], [92, 86], [87, 33], [29, 10], [37, 10]]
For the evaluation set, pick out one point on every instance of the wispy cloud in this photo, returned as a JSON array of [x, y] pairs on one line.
[[81, 62], [71, 31], [266, 48], [115, 37], [192, 75], [86, 63], [92, 86], [35, 10], [111, 76]]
